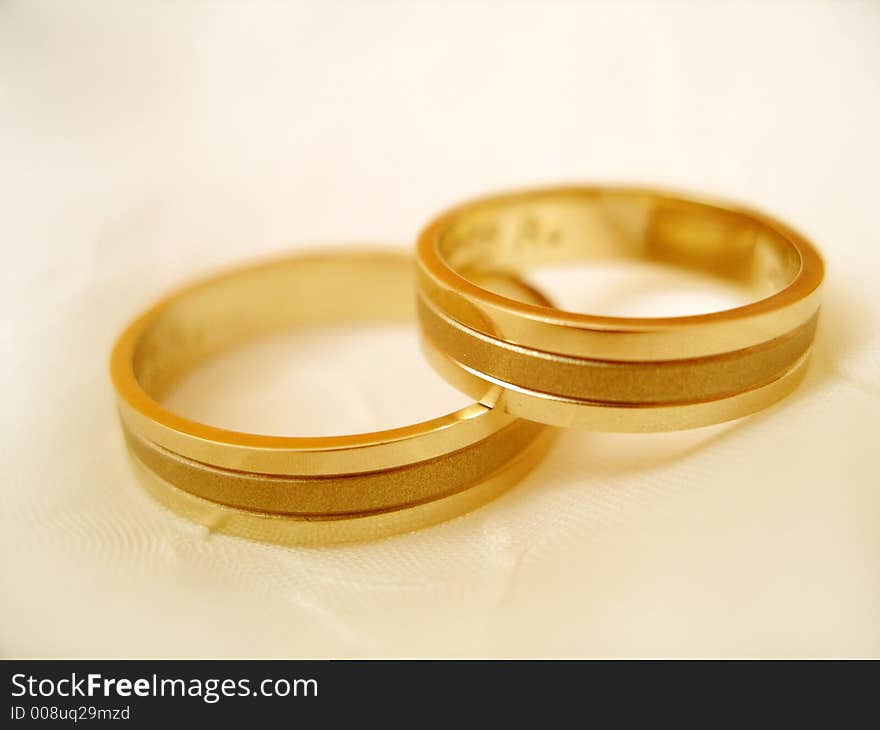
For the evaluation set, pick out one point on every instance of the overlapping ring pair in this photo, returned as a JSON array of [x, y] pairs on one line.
[[529, 366]]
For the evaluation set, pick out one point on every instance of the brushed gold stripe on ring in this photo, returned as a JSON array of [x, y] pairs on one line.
[[322, 530], [616, 373], [305, 489]]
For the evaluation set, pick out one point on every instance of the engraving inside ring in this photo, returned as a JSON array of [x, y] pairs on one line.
[[517, 233]]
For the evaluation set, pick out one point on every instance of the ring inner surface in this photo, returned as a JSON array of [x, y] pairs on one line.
[[232, 309], [518, 232]]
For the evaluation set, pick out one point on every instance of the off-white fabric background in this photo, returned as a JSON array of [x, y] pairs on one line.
[[142, 144]]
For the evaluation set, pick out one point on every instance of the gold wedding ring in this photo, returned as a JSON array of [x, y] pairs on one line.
[[615, 373], [306, 489]]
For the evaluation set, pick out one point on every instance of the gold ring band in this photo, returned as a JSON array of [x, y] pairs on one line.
[[342, 494], [323, 530], [615, 373], [314, 480]]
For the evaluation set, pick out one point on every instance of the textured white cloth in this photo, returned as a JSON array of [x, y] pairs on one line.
[[143, 144]]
